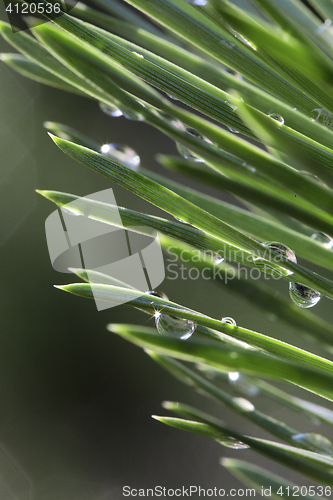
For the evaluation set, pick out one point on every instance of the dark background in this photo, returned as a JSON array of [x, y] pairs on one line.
[[76, 400]]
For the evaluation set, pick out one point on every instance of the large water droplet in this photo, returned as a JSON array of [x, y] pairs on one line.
[[233, 443], [185, 152], [323, 27], [110, 110], [197, 2], [277, 118], [324, 239], [160, 295], [229, 321], [243, 404], [303, 296], [242, 384], [324, 117], [122, 153], [173, 326], [316, 442]]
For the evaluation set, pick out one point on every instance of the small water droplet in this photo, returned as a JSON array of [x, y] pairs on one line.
[[160, 295], [324, 239], [323, 27], [243, 404], [277, 118], [172, 97], [233, 443], [324, 117], [122, 153], [315, 442], [197, 2], [138, 55], [229, 321], [185, 152], [110, 110], [173, 326], [226, 43], [303, 296], [313, 177], [234, 73], [242, 384], [234, 131], [218, 260], [232, 106], [70, 211]]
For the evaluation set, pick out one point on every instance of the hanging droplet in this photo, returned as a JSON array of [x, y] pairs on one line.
[[69, 211], [277, 118], [243, 404], [324, 117], [303, 296], [316, 442], [324, 239], [233, 443], [122, 153], [185, 152], [242, 384], [229, 321], [173, 326], [218, 260], [234, 131], [110, 110], [197, 2]]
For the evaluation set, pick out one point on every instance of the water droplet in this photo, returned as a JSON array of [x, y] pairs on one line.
[[185, 152], [234, 73], [110, 110], [242, 384], [218, 260], [315, 442], [234, 131], [233, 443], [160, 295], [313, 177], [229, 321], [303, 296], [324, 239], [324, 117], [138, 55], [242, 39], [69, 211], [173, 326], [281, 249], [230, 105], [243, 404], [172, 97], [122, 153], [196, 2], [226, 43], [277, 118], [323, 27]]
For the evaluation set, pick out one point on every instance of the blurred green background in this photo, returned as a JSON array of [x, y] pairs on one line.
[[75, 399]]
